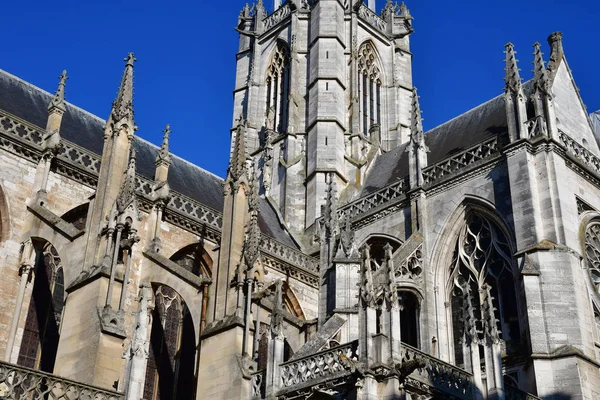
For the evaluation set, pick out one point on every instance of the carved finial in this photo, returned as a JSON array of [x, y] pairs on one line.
[[127, 194], [123, 104], [237, 164], [58, 101], [252, 239], [404, 12], [277, 312], [163, 156], [512, 79], [555, 42], [540, 76], [330, 211], [489, 315], [416, 124]]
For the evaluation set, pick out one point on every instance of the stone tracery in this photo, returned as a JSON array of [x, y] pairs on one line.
[[369, 88]]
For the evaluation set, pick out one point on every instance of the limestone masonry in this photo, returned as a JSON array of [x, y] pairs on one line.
[[348, 254]]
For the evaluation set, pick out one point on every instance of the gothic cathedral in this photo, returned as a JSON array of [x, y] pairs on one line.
[[347, 254]]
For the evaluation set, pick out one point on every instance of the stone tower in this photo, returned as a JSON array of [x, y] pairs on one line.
[[323, 92]]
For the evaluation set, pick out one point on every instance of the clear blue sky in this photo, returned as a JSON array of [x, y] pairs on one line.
[[186, 57]]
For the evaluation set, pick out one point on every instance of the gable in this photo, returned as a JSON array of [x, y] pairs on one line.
[[571, 116]]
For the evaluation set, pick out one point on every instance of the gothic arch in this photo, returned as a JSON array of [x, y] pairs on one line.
[[290, 300], [377, 241], [371, 88], [39, 343], [77, 215], [443, 256], [277, 87], [195, 259], [172, 352], [589, 237]]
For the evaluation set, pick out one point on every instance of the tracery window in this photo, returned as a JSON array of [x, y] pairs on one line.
[[278, 89], [592, 252], [369, 88], [482, 259], [171, 359], [42, 325], [409, 318]]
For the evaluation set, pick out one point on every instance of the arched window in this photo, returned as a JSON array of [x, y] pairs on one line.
[[482, 259], [592, 251], [409, 318], [171, 359], [369, 88], [194, 259], [377, 248], [42, 325], [278, 89]]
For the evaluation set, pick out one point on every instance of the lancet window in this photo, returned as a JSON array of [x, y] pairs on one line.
[[369, 88], [42, 324], [171, 359], [278, 89], [484, 290], [409, 318]]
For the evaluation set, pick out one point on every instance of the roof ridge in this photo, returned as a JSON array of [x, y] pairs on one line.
[[32, 86]]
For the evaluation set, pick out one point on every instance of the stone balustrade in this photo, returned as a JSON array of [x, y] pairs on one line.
[[461, 160], [370, 17], [18, 382], [322, 366]]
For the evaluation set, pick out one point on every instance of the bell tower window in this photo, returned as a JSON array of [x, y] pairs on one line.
[[369, 88], [278, 89]]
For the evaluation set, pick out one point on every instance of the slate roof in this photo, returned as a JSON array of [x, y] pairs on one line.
[[30, 103], [475, 126]]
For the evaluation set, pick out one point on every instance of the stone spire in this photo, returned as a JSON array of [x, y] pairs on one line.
[[237, 163], [127, 194], [123, 104], [416, 147], [58, 101], [164, 157], [540, 76], [512, 79], [514, 98]]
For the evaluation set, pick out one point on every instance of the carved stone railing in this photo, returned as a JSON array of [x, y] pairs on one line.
[[513, 393], [17, 382], [288, 254], [276, 17], [83, 158], [23, 131], [461, 160], [438, 375], [370, 17], [258, 385], [195, 210], [326, 364], [579, 152], [380, 197]]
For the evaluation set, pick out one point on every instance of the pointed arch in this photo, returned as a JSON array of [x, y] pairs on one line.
[[378, 241], [171, 361], [277, 81], [41, 333], [475, 248], [77, 215], [370, 88], [195, 259]]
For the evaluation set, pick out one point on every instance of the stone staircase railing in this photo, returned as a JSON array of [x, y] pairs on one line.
[[18, 383], [438, 375], [315, 368]]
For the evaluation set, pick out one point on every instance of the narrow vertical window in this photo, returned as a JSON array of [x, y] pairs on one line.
[[278, 87], [369, 87]]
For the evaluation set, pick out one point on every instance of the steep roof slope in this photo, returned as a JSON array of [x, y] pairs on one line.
[[475, 126], [30, 103]]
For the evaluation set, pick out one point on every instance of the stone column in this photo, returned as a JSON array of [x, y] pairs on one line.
[[27, 264], [137, 354]]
